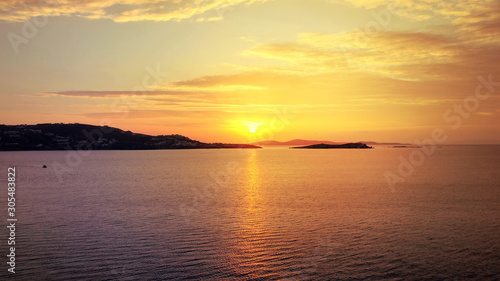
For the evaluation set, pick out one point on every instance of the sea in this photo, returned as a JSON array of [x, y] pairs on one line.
[[254, 214]]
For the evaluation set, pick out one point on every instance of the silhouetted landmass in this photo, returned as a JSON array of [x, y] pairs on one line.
[[81, 136], [406, 146], [327, 146], [311, 142], [294, 142], [383, 143]]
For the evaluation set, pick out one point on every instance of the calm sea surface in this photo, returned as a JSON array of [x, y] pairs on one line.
[[270, 214]]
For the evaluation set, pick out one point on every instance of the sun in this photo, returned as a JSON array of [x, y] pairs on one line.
[[252, 126]]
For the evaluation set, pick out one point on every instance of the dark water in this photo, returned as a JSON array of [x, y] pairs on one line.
[[271, 214]]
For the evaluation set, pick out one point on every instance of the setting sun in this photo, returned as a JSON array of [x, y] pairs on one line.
[[252, 126]]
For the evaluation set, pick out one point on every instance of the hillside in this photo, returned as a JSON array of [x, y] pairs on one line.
[[329, 146], [81, 136], [293, 142], [312, 142]]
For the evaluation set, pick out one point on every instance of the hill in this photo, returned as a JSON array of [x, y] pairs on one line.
[[82, 136], [312, 142], [327, 146]]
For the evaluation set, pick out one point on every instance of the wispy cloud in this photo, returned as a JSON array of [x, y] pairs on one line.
[[113, 94], [420, 10], [138, 114], [390, 53], [120, 10], [464, 47]]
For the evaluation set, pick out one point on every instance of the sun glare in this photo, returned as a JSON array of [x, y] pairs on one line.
[[252, 126]]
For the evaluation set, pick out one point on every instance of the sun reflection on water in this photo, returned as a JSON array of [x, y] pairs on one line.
[[254, 247], [252, 183]]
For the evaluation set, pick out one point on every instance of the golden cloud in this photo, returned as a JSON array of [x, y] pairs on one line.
[[389, 53], [468, 44], [120, 10], [424, 9]]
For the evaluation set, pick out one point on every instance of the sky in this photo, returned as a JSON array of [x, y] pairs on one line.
[[252, 70]]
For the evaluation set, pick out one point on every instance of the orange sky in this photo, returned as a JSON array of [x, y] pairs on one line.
[[245, 70]]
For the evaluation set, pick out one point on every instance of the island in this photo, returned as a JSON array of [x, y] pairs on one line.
[[406, 146], [90, 137], [350, 145], [303, 142]]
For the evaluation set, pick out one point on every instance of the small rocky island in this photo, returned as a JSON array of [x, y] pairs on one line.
[[328, 146], [89, 137]]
